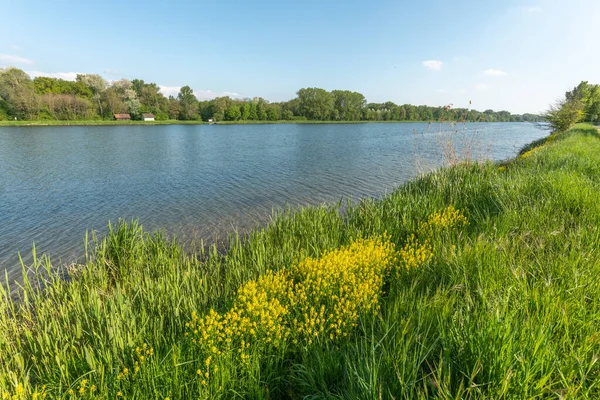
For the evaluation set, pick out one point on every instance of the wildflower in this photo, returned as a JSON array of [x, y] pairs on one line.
[[314, 300], [416, 253], [528, 153]]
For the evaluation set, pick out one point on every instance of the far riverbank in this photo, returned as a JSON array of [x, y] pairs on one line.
[[196, 122]]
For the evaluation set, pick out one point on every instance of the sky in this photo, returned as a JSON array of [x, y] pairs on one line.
[[515, 55]]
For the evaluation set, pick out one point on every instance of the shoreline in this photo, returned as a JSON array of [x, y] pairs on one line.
[[178, 122]]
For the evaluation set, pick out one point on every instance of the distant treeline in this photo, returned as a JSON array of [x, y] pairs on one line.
[[91, 97]]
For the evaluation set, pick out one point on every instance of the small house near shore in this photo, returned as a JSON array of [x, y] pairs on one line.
[[148, 117], [122, 117]]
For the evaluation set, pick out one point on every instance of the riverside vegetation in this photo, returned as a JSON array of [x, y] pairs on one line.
[[475, 281], [92, 100]]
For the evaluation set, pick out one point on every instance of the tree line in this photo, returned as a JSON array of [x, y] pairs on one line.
[[582, 104], [91, 97]]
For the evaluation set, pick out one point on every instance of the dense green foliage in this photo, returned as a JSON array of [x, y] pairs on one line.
[[504, 307], [90, 97], [315, 104], [582, 104]]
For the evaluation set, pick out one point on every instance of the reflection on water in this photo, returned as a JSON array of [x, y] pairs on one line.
[[199, 181]]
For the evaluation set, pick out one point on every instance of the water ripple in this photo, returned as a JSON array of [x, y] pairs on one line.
[[198, 182]]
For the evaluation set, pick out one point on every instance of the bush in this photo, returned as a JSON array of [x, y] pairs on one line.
[[564, 114]]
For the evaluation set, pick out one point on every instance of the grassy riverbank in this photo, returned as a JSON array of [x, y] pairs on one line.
[[478, 281]]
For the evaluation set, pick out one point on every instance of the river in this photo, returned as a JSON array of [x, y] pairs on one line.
[[202, 181]]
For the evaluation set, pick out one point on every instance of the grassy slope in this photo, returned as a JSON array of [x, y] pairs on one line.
[[508, 308]]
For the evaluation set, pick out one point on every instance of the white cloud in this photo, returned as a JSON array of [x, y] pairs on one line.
[[15, 47], [434, 65], [14, 59], [440, 90], [209, 94], [481, 86], [67, 76], [494, 72], [169, 90]]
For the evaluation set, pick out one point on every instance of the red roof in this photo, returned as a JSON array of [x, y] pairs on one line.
[[122, 116], [148, 115]]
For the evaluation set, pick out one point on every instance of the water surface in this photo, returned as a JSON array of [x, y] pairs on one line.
[[200, 181]]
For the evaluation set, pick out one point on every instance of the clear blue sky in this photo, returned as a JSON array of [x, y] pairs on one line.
[[502, 54]]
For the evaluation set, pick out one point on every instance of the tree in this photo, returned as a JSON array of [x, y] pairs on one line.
[[245, 111], [17, 94], [114, 102], [580, 104], [273, 112], [67, 106], [287, 115], [315, 103], [592, 105], [349, 105], [188, 102], [174, 108], [564, 114], [261, 112], [233, 113]]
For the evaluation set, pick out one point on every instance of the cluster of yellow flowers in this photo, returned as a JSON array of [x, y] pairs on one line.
[[438, 221], [141, 354], [548, 140], [315, 299], [416, 252], [21, 393], [529, 153], [332, 292], [83, 389], [257, 316], [418, 249]]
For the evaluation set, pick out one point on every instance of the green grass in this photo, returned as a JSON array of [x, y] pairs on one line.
[[508, 308]]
